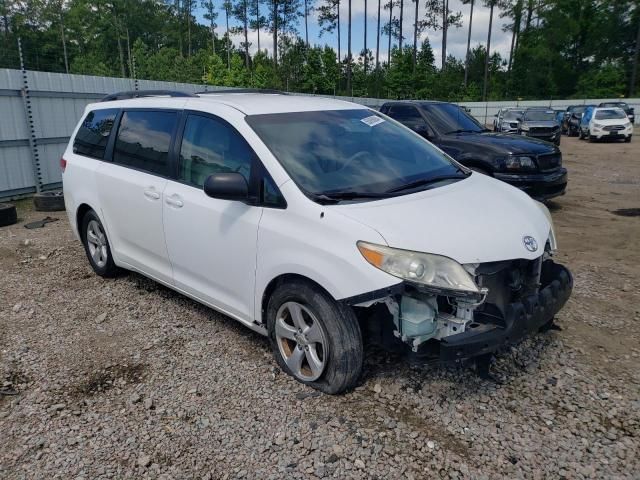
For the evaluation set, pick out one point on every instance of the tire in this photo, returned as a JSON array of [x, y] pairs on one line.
[[8, 214], [329, 337], [49, 201], [102, 261], [580, 134], [628, 139], [589, 137]]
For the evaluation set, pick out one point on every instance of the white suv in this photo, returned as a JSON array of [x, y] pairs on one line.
[[317, 222]]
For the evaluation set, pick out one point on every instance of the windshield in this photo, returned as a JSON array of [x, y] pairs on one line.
[[449, 118], [539, 115], [349, 151], [613, 113], [512, 115], [577, 109]]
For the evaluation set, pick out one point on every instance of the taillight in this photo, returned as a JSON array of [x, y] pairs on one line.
[[63, 164]]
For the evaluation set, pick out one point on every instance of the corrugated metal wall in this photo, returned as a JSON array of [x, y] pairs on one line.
[[39, 110]]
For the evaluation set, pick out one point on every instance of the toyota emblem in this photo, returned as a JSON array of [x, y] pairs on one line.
[[530, 243]]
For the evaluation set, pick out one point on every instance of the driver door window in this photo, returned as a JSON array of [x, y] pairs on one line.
[[211, 146], [408, 116]]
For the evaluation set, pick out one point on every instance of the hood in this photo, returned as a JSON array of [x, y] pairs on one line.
[[504, 143], [476, 220]]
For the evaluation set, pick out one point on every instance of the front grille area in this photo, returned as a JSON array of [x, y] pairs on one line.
[[541, 130], [549, 162], [508, 281], [613, 128]]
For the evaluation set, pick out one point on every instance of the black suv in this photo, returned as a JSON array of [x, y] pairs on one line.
[[532, 165]]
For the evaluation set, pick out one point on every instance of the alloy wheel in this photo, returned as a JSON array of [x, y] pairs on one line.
[[301, 341], [97, 243]]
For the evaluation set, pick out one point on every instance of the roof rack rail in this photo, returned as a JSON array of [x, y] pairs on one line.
[[242, 90], [145, 93]]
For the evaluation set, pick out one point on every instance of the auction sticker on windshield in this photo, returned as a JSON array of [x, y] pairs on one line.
[[372, 121]]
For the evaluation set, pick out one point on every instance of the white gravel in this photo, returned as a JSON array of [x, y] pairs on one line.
[[123, 378]]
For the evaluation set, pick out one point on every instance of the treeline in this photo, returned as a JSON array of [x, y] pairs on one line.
[[558, 48]]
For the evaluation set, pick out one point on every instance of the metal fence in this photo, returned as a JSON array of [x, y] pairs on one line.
[[39, 110]]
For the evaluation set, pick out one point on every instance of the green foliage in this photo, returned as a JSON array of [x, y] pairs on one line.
[[561, 48]]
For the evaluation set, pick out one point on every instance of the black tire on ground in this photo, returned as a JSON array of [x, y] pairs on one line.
[[590, 137], [49, 201], [8, 215], [628, 139], [579, 134], [343, 356], [106, 267]]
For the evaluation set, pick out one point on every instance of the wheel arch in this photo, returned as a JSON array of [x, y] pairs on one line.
[[275, 283], [80, 213]]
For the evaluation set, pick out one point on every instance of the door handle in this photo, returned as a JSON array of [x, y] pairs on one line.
[[174, 201], [152, 194]]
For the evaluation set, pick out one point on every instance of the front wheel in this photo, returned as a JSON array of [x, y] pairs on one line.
[[315, 339], [628, 139], [96, 245]]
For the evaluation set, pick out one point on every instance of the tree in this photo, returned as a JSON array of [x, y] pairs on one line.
[[349, 59], [466, 57], [378, 38], [491, 4], [329, 19], [211, 15], [240, 11]]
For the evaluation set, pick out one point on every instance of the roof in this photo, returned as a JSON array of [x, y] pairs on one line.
[[247, 103]]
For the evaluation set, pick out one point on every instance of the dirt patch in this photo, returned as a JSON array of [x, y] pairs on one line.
[[109, 377]]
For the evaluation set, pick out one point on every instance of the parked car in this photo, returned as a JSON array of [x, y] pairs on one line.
[[529, 164], [605, 124], [507, 120], [540, 123], [316, 222], [630, 111], [571, 122]]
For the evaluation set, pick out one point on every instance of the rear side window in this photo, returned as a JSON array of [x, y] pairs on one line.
[[211, 146], [93, 134], [143, 140]]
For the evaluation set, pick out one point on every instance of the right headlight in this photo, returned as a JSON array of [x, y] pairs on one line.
[[519, 163], [426, 269]]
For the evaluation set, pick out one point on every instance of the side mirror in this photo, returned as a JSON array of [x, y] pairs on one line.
[[227, 186]]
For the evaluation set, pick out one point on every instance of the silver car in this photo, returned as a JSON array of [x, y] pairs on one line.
[[507, 120]]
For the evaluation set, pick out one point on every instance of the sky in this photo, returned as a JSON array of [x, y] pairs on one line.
[[456, 38]]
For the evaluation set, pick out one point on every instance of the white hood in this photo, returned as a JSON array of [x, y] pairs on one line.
[[475, 220]]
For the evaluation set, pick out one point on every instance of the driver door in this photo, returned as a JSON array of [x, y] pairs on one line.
[[212, 242]]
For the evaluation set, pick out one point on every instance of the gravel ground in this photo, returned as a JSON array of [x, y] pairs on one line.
[[124, 378]]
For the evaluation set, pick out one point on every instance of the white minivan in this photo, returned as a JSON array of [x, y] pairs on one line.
[[320, 223]]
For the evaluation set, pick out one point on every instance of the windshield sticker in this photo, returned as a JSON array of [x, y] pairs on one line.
[[372, 121]]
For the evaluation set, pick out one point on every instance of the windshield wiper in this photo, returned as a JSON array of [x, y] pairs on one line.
[[338, 196], [426, 181], [462, 130]]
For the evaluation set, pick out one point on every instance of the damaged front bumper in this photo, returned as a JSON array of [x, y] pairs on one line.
[[520, 319], [518, 298]]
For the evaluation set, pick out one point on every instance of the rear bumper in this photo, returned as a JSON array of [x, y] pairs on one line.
[[521, 319], [541, 186]]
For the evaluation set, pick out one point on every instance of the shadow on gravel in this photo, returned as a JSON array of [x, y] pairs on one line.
[[627, 212]]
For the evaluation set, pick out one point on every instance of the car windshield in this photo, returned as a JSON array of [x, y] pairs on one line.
[[448, 118], [512, 115], [610, 114], [539, 115], [354, 151], [577, 109]]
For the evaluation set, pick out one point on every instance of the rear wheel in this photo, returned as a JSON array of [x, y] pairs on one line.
[[96, 245], [315, 339]]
